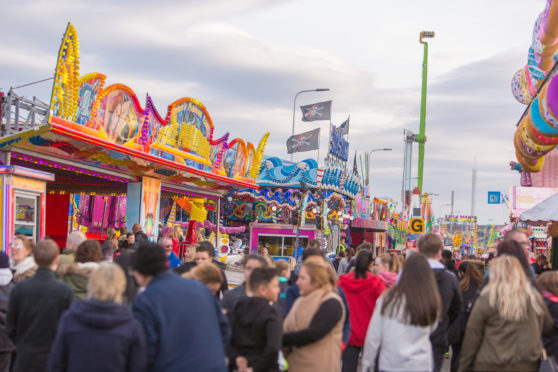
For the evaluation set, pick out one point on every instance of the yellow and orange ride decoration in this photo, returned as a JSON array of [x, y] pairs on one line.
[[113, 117]]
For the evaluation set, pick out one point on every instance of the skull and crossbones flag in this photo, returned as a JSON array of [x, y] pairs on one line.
[[316, 111], [306, 141]]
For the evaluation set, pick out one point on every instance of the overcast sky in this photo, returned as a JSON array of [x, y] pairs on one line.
[[246, 59]]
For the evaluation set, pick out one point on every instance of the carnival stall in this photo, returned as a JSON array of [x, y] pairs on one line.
[[273, 212], [112, 157]]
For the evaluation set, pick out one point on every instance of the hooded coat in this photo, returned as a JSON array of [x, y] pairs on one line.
[[98, 336], [77, 277], [361, 295], [256, 334]]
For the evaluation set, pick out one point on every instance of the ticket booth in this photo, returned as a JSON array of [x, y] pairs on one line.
[[22, 202]]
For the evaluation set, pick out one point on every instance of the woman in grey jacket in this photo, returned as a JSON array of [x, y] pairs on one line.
[[403, 319]]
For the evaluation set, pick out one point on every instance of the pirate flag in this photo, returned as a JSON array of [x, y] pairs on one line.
[[316, 111], [306, 141]]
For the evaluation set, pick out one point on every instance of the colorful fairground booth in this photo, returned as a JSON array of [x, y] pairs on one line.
[[100, 159], [295, 202]]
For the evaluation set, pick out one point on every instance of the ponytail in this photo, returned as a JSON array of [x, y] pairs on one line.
[[363, 261]]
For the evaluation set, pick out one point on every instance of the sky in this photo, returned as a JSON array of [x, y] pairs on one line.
[[246, 60]]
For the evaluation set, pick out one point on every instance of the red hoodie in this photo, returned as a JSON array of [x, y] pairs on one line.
[[362, 295]]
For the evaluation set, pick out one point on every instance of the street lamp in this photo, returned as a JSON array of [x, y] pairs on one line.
[[421, 137], [368, 154], [294, 105]]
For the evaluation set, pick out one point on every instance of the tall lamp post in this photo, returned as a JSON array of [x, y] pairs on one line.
[[294, 105], [421, 137], [368, 155]]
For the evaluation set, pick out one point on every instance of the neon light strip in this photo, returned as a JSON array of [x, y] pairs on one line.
[[6, 226], [59, 127], [30, 159]]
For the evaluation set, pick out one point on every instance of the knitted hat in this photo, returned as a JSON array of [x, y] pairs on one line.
[[4, 261], [149, 259]]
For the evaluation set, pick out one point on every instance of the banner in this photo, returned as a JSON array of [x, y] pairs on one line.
[[345, 125], [338, 146], [306, 141], [316, 111]]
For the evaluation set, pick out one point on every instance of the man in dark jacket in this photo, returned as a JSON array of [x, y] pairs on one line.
[[6, 285], [449, 262], [35, 308], [231, 297], [430, 245], [140, 236], [122, 258], [183, 324]]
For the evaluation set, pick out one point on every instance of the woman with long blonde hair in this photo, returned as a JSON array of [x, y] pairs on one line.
[[506, 324], [313, 327]]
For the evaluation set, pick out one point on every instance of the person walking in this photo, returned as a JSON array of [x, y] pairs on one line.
[[313, 327], [122, 257], [470, 279], [548, 284], [23, 264], [6, 285], [102, 321], [362, 289], [506, 324], [34, 310], [76, 275], [430, 245], [110, 244], [74, 239], [256, 324], [139, 235], [344, 263], [180, 317], [230, 298], [398, 337], [387, 266]]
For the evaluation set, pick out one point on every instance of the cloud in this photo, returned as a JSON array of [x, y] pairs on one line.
[[247, 78]]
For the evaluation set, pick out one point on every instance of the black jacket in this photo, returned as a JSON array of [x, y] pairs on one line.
[[6, 345], [98, 336], [450, 295], [34, 310], [122, 258], [457, 328], [451, 267], [141, 237], [256, 334], [551, 341]]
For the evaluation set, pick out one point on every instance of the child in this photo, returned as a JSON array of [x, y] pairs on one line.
[[284, 272], [256, 325], [207, 273]]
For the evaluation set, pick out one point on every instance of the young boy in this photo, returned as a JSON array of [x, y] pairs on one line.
[[256, 324], [284, 272]]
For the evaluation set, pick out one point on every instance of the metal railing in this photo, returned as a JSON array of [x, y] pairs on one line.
[[19, 114]]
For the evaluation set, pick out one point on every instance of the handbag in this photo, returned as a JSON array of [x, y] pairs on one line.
[[548, 364]]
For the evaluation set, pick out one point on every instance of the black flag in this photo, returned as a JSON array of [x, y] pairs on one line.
[[307, 141], [345, 125], [316, 111]]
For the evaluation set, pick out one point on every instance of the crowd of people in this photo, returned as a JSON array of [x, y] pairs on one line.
[[132, 305]]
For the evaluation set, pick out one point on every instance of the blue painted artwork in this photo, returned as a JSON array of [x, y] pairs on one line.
[[274, 173]]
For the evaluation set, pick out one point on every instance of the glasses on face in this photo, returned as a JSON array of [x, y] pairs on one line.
[[16, 245]]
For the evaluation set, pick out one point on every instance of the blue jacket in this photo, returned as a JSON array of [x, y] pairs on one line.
[[183, 323], [98, 336], [174, 261]]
